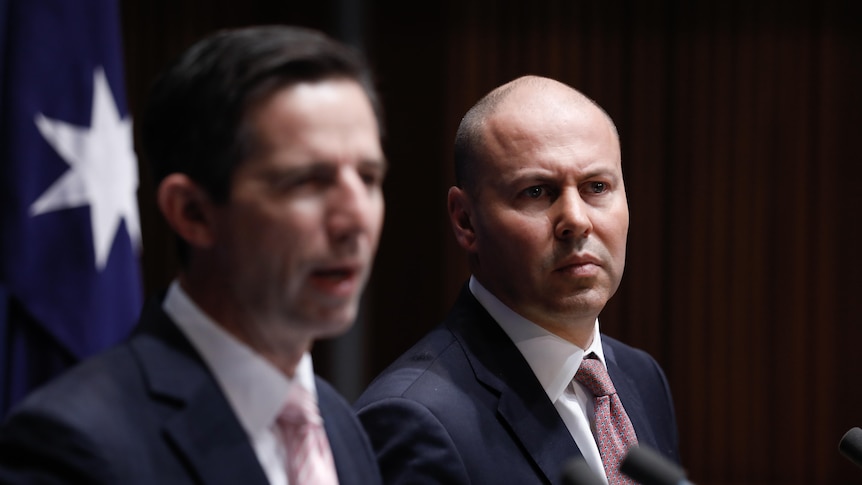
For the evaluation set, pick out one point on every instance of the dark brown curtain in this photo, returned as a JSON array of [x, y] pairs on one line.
[[739, 123]]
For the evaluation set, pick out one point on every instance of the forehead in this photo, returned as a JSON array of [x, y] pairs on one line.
[[329, 118], [316, 104], [553, 130]]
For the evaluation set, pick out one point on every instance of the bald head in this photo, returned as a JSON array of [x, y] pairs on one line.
[[541, 208], [520, 101]]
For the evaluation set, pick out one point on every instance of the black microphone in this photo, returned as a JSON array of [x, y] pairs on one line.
[[646, 466], [851, 446], [577, 472]]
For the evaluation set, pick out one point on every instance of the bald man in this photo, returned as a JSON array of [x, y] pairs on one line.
[[494, 394]]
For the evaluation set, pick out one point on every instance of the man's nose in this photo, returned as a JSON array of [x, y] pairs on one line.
[[571, 216], [350, 206]]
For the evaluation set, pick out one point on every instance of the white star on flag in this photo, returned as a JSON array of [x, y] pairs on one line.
[[102, 171]]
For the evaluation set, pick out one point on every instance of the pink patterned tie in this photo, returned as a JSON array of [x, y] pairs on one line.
[[309, 458], [614, 431]]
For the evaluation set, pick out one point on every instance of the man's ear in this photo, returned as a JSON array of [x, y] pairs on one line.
[[188, 209], [460, 215]]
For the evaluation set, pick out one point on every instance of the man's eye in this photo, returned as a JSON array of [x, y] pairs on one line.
[[284, 184], [598, 187], [535, 192], [371, 178], [300, 181]]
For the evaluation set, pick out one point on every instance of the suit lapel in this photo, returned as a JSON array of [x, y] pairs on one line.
[[538, 426], [198, 420], [354, 460], [523, 405], [628, 392]]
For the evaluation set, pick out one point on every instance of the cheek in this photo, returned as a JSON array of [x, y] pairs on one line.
[[280, 228], [295, 216], [614, 232], [622, 230], [514, 236], [376, 218]]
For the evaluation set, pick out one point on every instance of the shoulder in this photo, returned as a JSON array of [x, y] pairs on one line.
[[122, 392], [432, 362], [64, 427], [88, 392], [431, 396]]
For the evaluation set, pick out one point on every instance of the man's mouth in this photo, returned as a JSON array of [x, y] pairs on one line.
[[340, 281], [334, 274]]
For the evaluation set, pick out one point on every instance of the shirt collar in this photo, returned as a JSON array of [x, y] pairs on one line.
[[553, 359], [255, 389]]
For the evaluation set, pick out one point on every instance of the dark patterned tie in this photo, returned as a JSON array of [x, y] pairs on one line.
[[614, 431]]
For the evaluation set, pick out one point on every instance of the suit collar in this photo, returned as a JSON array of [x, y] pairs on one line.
[[198, 420], [553, 360], [523, 404]]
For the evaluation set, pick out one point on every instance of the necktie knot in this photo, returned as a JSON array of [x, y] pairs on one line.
[[309, 457], [299, 410], [594, 376]]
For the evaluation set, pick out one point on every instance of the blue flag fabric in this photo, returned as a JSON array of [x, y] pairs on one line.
[[70, 282]]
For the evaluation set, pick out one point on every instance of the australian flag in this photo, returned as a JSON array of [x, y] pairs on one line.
[[70, 282]]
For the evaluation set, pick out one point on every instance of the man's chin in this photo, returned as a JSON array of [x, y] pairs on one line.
[[584, 302], [333, 322]]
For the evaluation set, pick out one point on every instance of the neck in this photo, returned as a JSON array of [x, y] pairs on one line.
[[580, 334], [266, 336]]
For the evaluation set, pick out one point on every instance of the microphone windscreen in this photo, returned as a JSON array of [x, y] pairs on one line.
[[851, 446], [577, 472], [649, 468]]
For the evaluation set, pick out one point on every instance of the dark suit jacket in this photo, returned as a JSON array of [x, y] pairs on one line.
[[150, 412], [463, 406]]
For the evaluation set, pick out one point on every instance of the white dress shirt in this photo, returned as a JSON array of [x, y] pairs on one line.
[[555, 362], [255, 389]]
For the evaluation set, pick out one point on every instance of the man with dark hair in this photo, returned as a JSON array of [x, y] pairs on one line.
[[518, 379], [265, 143]]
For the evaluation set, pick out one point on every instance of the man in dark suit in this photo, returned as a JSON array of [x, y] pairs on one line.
[[495, 394], [265, 145]]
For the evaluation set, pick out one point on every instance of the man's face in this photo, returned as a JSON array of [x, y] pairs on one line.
[[549, 210], [300, 229]]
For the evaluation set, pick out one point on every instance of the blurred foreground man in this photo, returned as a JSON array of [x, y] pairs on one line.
[[518, 379], [265, 143]]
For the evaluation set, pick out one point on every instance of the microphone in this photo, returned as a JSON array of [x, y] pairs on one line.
[[646, 466], [851, 446], [577, 472]]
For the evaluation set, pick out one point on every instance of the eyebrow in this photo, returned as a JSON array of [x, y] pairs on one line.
[[383, 163], [550, 175]]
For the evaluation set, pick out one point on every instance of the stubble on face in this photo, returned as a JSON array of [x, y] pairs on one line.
[[299, 233], [550, 140]]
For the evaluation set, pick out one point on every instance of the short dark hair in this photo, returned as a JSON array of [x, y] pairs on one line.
[[194, 119]]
